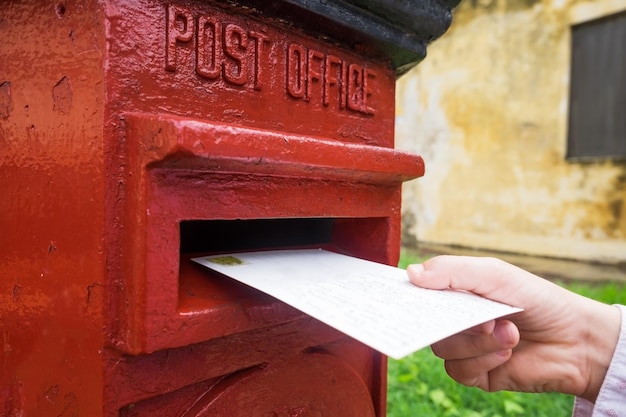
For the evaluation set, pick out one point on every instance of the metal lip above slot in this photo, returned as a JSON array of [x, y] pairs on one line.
[[178, 143]]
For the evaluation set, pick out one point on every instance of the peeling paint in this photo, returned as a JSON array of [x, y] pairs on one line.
[[5, 100], [62, 96]]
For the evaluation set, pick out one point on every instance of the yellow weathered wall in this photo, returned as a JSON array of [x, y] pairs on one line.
[[487, 109]]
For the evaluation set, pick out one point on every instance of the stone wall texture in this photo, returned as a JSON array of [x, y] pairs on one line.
[[487, 109]]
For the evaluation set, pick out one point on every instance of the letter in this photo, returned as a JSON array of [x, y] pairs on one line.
[[296, 64], [368, 74], [179, 27], [209, 48], [259, 40], [355, 87], [332, 77], [314, 74], [235, 47], [343, 92]]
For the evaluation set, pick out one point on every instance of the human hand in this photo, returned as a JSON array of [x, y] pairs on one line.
[[561, 342]]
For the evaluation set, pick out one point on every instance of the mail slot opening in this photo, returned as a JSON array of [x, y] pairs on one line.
[[207, 292], [247, 235], [359, 237]]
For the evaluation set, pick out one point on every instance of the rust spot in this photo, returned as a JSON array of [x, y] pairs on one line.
[[12, 399], [71, 406], [60, 9], [90, 290], [5, 100], [17, 290], [52, 393], [62, 96]]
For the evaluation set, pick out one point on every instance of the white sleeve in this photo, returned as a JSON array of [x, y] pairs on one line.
[[611, 401]]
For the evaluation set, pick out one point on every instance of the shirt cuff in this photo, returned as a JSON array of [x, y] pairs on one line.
[[612, 395]]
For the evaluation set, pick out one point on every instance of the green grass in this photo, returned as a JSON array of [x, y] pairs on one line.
[[419, 386]]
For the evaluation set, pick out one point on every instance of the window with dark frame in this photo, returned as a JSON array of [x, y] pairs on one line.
[[597, 104]]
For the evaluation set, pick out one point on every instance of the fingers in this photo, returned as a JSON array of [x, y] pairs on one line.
[[472, 355], [475, 342], [489, 277], [474, 372]]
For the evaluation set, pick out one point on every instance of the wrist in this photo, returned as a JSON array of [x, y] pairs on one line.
[[602, 330]]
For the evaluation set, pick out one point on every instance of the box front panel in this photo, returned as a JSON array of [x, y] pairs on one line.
[[217, 113]]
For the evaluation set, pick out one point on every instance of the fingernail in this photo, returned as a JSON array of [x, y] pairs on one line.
[[503, 334], [416, 268]]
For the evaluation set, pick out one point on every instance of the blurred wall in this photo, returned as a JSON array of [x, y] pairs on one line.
[[487, 109]]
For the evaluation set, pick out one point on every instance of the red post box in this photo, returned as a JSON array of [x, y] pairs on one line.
[[136, 134]]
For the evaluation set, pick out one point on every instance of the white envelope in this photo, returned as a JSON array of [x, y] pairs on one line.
[[371, 302]]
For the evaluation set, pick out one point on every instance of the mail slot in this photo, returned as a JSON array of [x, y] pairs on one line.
[[139, 134]]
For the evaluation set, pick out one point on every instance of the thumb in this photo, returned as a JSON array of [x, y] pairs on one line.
[[489, 277]]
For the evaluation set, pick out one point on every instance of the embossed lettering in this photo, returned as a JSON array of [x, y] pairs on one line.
[[296, 76], [209, 51], [368, 74], [333, 76], [235, 47], [315, 66], [350, 83], [355, 86], [358, 88], [260, 40], [179, 28], [222, 50]]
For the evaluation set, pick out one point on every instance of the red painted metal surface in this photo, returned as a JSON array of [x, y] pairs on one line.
[[127, 130]]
